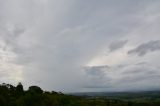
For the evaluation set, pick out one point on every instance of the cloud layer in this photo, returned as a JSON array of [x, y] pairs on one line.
[[74, 46]]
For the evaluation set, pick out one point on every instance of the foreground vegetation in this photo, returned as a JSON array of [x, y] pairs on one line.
[[15, 96]]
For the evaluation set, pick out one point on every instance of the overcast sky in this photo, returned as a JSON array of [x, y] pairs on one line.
[[81, 45]]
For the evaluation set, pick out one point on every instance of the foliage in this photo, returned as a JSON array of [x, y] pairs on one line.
[[35, 96]]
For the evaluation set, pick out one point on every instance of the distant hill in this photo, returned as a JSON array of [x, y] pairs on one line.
[[120, 94]]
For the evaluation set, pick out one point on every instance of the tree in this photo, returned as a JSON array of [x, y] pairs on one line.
[[19, 89], [35, 89]]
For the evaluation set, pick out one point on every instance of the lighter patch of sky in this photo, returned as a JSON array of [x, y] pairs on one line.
[[110, 58]]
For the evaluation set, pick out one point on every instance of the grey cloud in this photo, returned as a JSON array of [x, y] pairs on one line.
[[117, 45], [145, 48], [96, 70], [98, 86], [139, 78], [52, 40], [122, 78], [139, 69], [141, 63], [138, 75], [97, 77]]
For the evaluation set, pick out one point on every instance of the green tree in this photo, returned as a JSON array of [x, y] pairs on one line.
[[19, 89], [35, 89]]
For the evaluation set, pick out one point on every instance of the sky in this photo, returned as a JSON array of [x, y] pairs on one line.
[[81, 46]]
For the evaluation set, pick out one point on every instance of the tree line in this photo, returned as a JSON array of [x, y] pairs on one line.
[[16, 96]]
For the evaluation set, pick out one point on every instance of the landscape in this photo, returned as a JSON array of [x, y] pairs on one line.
[[79, 52], [35, 96]]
